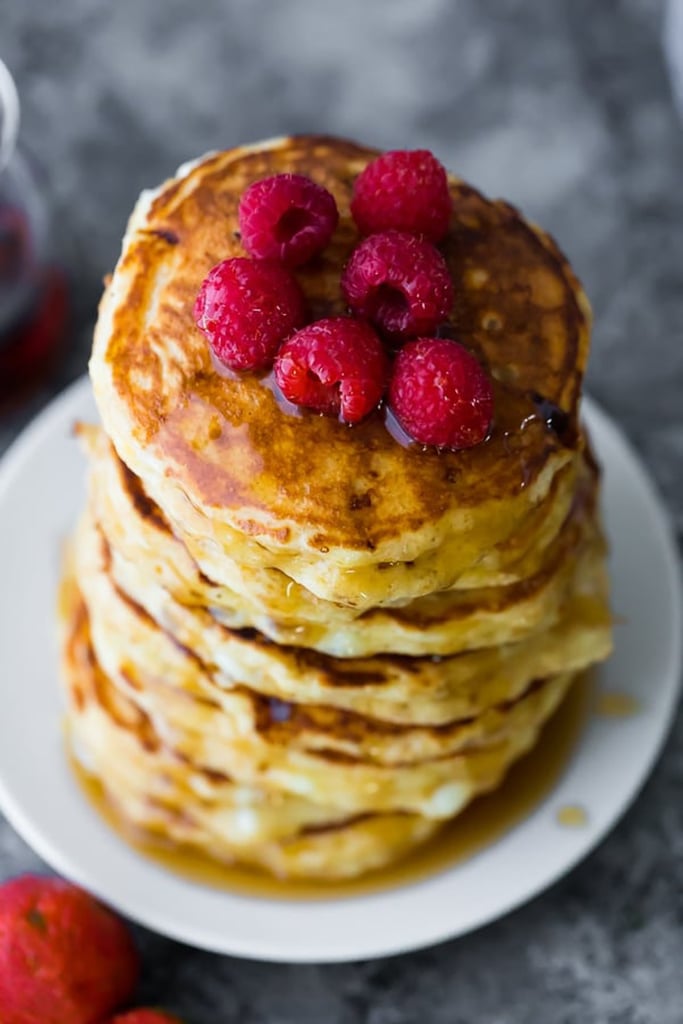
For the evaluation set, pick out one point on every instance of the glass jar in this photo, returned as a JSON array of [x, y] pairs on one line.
[[32, 292]]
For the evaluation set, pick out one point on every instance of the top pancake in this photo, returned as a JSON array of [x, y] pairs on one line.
[[322, 501]]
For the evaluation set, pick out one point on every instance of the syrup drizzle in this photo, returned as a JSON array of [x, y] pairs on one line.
[[556, 419], [616, 705], [484, 822], [572, 816]]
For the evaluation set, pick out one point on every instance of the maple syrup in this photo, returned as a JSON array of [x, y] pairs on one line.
[[572, 816], [487, 819], [32, 291], [613, 704]]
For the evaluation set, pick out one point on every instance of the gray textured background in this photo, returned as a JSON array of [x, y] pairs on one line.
[[562, 106]]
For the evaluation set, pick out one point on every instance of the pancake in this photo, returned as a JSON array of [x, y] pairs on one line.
[[351, 762], [146, 552], [417, 689], [239, 476], [124, 499], [302, 645], [429, 690], [444, 624], [223, 737], [158, 795]]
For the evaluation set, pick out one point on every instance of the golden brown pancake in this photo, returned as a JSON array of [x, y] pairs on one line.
[[299, 644], [321, 501], [441, 623], [160, 794], [345, 763]]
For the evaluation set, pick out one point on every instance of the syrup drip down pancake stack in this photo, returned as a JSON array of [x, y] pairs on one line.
[[341, 557]]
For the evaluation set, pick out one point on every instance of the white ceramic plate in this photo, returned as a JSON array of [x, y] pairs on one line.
[[41, 493]]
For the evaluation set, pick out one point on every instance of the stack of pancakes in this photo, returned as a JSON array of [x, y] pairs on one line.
[[302, 645]]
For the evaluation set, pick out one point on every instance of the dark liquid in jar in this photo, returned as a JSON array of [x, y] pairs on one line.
[[32, 307]]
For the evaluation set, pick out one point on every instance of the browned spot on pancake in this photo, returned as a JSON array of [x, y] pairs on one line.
[[136, 608], [178, 755], [337, 756], [358, 677], [215, 429], [205, 701], [186, 651], [360, 501], [130, 680], [250, 634], [333, 826], [144, 505], [206, 580], [166, 235], [105, 552], [219, 778], [304, 469], [77, 694], [281, 721], [124, 712]]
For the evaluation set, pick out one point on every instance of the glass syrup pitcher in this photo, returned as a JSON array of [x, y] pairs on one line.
[[32, 292]]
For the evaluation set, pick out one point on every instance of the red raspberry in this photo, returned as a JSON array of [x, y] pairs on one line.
[[405, 189], [63, 956], [336, 366], [440, 394], [246, 308], [144, 1017], [400, 282], [287, 217]]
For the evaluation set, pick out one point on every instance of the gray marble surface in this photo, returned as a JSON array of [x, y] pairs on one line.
[[562, 106]]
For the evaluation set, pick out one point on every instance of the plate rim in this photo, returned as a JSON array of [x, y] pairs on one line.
[[68, 403]]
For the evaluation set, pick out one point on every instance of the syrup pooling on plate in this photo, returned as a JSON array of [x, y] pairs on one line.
[[482, 824], [612, 704], [572, 816]]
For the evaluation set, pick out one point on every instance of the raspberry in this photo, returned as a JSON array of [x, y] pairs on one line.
[[246, 308], [403, 189], [400, 282], [335, 366], [144, 1017], [63, 956], [440, 394], [287, 217]]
